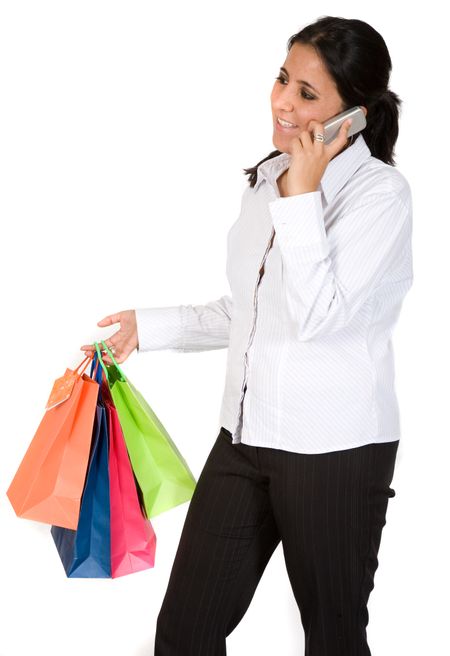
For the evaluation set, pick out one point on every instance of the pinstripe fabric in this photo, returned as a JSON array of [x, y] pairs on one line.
[[327, 509], [317, 283]]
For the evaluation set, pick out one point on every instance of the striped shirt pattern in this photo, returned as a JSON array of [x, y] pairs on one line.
[[317, 282]]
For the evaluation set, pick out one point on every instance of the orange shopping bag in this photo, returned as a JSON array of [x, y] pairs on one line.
[[49, 482]]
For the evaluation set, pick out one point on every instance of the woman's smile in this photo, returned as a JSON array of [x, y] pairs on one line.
[[284, 126]]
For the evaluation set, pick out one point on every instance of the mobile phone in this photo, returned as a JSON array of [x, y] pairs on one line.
[[332, 126]]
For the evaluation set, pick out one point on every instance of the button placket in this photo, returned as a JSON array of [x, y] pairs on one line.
[[252, 332]]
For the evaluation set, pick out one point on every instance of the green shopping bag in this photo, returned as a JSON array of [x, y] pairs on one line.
[[161, 471]]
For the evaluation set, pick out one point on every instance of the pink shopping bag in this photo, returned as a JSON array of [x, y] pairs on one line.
[[133, 539]]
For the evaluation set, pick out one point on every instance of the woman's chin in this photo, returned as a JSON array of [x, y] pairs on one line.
[[281, 145], [282, 148]]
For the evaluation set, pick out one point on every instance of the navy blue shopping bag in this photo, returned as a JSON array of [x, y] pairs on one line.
[[86, 552]]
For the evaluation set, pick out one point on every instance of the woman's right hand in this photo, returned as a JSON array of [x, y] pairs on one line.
[[123, 342]]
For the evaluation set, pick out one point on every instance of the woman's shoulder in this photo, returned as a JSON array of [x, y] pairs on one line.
[[375, 177]]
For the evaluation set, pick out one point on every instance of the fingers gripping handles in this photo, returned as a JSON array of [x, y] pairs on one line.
[[98, 359]]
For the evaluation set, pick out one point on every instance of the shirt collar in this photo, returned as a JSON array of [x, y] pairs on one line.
[[338, 170]]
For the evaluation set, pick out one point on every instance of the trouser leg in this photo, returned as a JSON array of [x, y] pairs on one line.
[[331, 509], [227, 539]]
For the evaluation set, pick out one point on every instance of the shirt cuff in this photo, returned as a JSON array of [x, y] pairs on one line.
[[159, 328], [299, 224]]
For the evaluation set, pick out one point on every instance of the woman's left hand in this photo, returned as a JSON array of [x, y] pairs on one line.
[[310, 157]]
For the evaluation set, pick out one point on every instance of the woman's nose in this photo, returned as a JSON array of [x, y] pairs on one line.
[[284, 104], [285, 109]]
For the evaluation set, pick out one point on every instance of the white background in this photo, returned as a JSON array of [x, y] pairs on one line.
[[121, 124]]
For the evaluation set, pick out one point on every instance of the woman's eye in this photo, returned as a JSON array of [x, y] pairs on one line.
[[304, 94]]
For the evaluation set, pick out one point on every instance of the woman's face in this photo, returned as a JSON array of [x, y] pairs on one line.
[[314, 97]]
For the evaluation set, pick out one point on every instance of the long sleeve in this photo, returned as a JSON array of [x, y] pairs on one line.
[[326, 286], [185, 328]]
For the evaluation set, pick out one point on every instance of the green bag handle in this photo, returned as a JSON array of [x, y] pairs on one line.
[[100, 359]]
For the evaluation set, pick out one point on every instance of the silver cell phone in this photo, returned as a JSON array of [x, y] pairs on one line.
[[332, 126]]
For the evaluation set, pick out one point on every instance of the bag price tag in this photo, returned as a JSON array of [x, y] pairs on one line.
[[62, 389]]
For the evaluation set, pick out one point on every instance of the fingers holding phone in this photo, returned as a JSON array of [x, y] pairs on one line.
[[333, 125]]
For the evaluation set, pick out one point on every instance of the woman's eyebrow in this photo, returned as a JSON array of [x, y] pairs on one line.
[[307, 84]]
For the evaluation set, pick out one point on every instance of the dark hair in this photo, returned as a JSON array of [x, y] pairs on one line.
[[357, 58]]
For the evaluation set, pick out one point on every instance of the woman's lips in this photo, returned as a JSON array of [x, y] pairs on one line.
[[282, 128]]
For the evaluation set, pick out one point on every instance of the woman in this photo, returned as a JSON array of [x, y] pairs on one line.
[[319, 262]]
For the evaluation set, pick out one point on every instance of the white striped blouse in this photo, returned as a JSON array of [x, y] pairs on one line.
[[317, 282]]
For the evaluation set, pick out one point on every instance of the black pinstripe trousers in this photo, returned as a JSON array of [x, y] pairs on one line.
[[328, 510]]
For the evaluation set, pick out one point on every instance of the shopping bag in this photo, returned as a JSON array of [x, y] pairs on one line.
[[133, 539], [48, 484], [161, 471], [86, 551]]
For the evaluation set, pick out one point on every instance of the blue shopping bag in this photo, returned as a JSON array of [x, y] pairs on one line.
[[86, 551]]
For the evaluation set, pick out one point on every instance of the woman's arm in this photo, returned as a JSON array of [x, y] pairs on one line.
[[185, 328], [325, 288]]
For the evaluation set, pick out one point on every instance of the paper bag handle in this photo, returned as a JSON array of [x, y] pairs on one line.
[[123, 377]]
